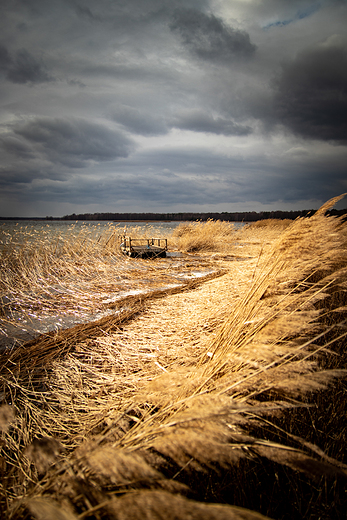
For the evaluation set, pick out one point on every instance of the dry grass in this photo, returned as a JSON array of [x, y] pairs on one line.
[[204, 236], [185, 390], [44, 275], [52, 280]]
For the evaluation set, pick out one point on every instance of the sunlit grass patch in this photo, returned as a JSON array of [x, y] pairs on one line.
[[213, 235]]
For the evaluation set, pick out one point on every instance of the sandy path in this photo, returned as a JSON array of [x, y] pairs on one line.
[[181, 325]]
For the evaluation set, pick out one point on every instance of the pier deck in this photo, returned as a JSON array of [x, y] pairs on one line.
[[143, 247]]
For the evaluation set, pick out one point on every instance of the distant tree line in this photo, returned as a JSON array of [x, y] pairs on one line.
[[243, 216], [248, 216]]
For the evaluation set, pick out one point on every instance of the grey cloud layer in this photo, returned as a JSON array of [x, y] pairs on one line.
[[73, 142], [47, 147], [208, 38], [201, 121], [232, 181], [180, 101], [139, 121], [23, 67]]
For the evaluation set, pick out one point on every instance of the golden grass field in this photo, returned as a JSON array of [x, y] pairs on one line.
[[209, 385]]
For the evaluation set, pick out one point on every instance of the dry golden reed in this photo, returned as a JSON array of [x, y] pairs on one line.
[[197, 237], [141, 431], [54, 278]]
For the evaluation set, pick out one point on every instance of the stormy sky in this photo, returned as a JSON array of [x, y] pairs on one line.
[[171, 105]]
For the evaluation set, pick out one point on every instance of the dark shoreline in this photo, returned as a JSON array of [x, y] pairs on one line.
[[246, 217]]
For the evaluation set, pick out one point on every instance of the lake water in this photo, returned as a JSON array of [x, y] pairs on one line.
[[67, 226], [29, 231]]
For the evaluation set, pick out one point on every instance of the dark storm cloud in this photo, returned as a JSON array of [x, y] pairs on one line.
[[311, 94], [23, 67], [5, 59], [16, 147], [131, 72], [209, 38], [205, 178], [139, 121], [74, 142], [200, 121], [27, 69], [85, 12], [12, 179]]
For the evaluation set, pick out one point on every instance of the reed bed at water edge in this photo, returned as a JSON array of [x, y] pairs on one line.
[[43, 271], [38, 264], [71, 274], [209, 396]]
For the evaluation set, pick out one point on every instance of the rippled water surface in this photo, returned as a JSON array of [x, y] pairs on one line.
[[67, 226]]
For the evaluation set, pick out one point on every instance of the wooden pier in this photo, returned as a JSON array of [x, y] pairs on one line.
[[143, 247]]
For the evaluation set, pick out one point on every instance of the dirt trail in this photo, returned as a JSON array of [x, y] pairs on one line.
[[180, 325]]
